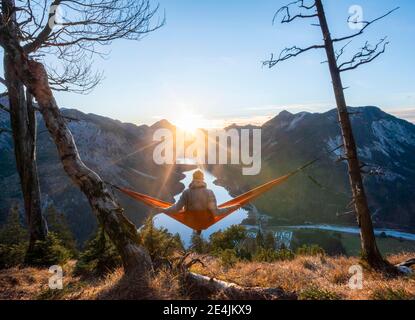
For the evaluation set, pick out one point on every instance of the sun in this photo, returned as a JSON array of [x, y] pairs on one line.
[[189, 123]]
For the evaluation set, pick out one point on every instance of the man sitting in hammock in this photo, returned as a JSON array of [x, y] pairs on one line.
[[197, 198]]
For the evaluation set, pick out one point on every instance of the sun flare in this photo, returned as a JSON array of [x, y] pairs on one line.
[[189, 123]]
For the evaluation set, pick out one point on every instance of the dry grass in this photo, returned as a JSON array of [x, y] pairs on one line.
[[32, 284], [22, 284], [317, 277]]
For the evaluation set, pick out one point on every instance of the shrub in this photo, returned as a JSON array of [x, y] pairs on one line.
[[391, 294], [259, 239], [265, 255], [269, 255], [58, 224], [315, 293], [13, 232], [285, 254], [331, 242], [269, 241], [228, 239], [13, 240], [312, 250], [56, 248], [99, 257], [247, 248], [198, 244], [228, 257], [160, 244], [12, 255], [49, 252]]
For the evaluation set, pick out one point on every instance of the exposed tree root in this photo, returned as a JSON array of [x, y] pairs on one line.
[[405, 267], [201, 287]]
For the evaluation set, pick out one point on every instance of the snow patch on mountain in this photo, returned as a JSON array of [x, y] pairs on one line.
[[392, 176], [334, 142], [390, 135], [297, 119], [365, 152]]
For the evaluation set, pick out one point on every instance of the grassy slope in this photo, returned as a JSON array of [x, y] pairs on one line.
[[309, 277], [32, 284], [316, 278]]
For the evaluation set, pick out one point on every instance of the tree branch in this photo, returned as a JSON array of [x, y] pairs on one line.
[[340, 52], [289, 53], [366, 25], [73, 31], [78, 77], [287, 18], [366, 55], [47, 30]]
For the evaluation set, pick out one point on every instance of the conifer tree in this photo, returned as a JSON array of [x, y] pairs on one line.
[[269, 241], [99, 256], [13, 240], [13, 231], [58, 224]]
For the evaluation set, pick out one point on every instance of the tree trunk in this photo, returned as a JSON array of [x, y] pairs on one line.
[[23, 124], [201, 287], [370, 251], [121, 231]]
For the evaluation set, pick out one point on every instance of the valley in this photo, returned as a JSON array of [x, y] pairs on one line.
[[122, 154]]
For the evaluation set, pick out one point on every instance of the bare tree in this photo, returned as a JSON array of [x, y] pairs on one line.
[[315, 10], [33, 32], [71, 74], [23, 130]]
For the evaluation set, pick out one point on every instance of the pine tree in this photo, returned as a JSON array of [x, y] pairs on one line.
[[48, 252], [99, 256], [58, 224], [269, 241], [160, 244], [13, 232], [198, 244], [259, 239], [13, 240]]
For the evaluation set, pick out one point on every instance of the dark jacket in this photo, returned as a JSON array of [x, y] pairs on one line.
[[196, 198]]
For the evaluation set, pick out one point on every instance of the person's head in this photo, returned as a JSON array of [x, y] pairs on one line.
[[198, 175]]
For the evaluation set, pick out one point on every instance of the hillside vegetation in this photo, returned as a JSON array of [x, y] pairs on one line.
[[122, 154], [309, 277], [232, 255]]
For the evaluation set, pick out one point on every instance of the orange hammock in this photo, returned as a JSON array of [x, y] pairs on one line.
[[199, 221], [202, 220]]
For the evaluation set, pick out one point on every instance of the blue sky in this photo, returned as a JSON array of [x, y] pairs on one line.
[[206, 61]]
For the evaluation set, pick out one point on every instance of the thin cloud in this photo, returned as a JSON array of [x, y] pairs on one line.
[[310, 107], [243, 121], [407, 114]]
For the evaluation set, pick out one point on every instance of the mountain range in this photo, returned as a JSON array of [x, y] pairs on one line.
[[117, 151], [122, 154], [321, 194]]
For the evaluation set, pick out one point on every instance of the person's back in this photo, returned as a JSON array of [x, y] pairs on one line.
[[196, 198]]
